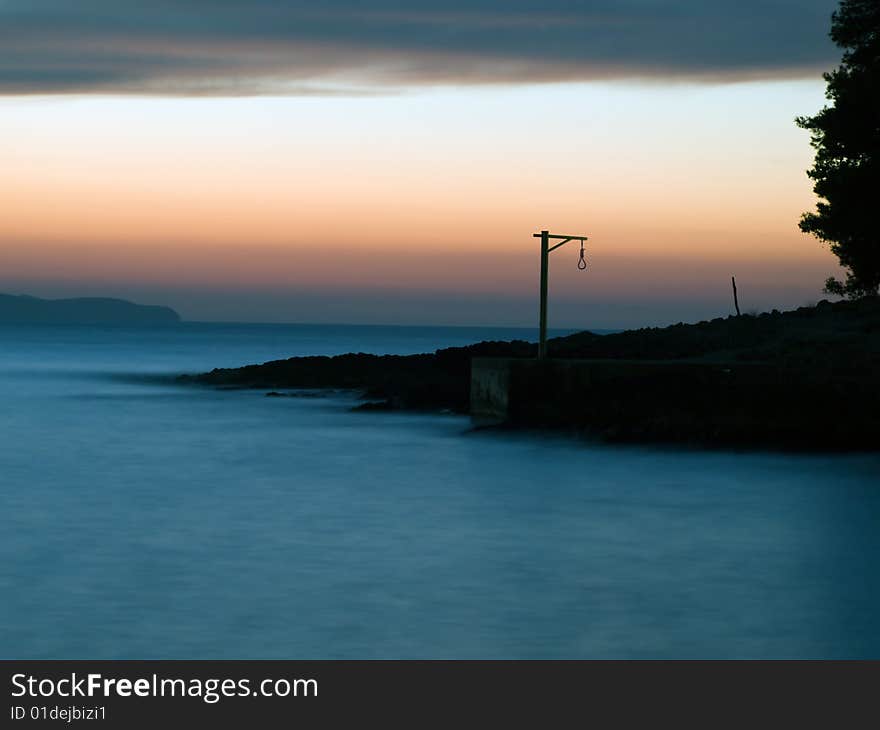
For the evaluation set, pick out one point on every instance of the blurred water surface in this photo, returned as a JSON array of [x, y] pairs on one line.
[[139, 519]]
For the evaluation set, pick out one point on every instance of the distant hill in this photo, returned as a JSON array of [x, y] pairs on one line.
[[88, 310]]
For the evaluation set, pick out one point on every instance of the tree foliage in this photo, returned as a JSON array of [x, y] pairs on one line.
[[846, 137]]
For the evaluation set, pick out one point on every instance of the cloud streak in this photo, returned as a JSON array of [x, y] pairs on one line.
[[229, 47]]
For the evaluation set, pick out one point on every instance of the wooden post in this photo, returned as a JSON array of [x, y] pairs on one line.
[[735, 300], [542, 324], [546, 248]]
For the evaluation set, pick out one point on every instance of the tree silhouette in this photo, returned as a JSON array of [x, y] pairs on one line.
[[846, 137]]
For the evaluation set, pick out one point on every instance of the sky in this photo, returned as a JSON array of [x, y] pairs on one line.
[[388, 162]]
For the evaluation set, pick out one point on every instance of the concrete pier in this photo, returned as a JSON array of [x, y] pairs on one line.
[[613, 394]]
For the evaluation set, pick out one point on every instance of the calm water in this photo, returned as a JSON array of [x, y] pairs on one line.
[[143, 520]]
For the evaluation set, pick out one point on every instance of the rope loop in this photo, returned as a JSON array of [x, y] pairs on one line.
[[582, 262]]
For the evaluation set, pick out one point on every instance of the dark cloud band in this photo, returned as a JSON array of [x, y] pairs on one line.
[[263, 46]]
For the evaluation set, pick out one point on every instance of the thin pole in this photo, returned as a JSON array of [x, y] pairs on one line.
[[735, 298], [546, 248], [545, 260]]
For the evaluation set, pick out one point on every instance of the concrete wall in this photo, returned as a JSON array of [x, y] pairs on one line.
[[606, 392], [732, 403], [490, 390]]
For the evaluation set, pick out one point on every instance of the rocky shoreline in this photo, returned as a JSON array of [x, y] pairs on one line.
[[800, 379]]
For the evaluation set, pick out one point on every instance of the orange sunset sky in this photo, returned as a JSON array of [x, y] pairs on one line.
[[415, 202]]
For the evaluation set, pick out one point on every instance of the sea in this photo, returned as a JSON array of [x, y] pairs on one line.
[[140, 519]]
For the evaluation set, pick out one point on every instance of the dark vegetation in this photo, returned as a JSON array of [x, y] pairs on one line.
[[846, 137]]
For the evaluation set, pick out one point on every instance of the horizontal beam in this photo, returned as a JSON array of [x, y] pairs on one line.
[[561, 243], [570, 238]]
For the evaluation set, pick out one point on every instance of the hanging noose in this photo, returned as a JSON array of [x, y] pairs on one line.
[[582, 262]]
